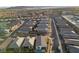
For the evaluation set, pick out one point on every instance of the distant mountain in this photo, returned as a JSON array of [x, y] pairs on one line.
[[34, 7], [41, 7]]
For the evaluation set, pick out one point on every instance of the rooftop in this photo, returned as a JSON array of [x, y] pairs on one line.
[[41, 41]]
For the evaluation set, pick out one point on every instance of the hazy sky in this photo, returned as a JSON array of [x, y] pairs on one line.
[[4, 3]]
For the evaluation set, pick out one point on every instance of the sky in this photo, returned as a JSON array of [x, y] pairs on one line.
[[8, 3]]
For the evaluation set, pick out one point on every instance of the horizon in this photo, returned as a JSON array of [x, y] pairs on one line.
[[3, 7]]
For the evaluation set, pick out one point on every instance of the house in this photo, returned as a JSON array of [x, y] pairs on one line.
[[28, 42], [16, 42], [73, 48], [41, 44], [72, 41], [42, 28]]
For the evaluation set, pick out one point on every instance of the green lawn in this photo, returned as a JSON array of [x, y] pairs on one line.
[[3, 26]]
